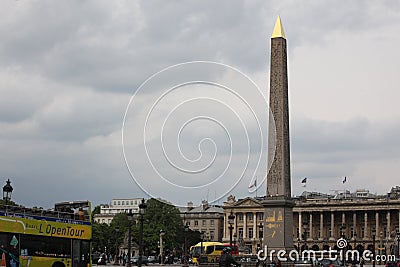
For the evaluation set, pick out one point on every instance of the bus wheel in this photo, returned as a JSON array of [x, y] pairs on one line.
[[58, 264]]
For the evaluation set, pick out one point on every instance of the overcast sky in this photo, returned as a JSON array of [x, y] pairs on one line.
[[69, 69]]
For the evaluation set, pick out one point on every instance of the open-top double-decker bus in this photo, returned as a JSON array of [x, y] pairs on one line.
[[59, 237]]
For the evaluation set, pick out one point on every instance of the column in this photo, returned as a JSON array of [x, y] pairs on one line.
[[255, 235], [388, 225], [377, 224], [301, 222], [343, 218], [311, 228], [366, 230], [225, 225], [332, 237], [321, 225], [244, 225]]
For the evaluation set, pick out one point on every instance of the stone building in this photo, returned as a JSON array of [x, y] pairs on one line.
[[321, 219], [118, 205], [204, 218]]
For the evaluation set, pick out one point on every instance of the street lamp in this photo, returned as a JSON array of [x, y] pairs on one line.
[[231, 219], [7, 190], [304, 235], [201, 245], [234, 240], [398, 243], [116, 260], [355, 240], [142, 211], [373, 246], [185, 262], [260, 233], [130, 218], [343, 236], [380, 245], [162, 233]]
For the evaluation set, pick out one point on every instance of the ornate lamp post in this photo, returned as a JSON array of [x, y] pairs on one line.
[[162, 233], [304, 235], [373, 246], [116, 260], [202, 234], [380, 245], [7, 191], [260, 233], [398, 243], [185, 260], [355, 240], [231, 219], [342, 234], [142, 210], [130, 218]]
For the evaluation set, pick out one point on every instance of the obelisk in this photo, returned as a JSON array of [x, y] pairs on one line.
[[278, 215]]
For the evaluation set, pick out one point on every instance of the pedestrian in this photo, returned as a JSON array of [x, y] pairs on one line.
[[124, 259], [226, 258]]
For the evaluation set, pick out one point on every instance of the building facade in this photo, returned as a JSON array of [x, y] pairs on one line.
[[205, 218], [321, 219], [118, 205]]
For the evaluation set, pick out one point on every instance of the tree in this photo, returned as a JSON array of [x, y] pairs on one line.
[[161, 216]]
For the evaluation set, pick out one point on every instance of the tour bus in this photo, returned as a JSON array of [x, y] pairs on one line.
[[59, 237], [211, 251]]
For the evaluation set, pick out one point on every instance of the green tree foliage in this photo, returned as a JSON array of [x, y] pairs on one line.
[[159, 216], [162, 216]]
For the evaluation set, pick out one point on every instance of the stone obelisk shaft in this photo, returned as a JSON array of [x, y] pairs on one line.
[[278, 179], [278, 205]]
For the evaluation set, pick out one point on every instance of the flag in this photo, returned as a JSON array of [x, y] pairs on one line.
[[253, 184], [304, 181], [345, 179]]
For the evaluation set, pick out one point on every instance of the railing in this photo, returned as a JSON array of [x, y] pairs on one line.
[[26, 212]]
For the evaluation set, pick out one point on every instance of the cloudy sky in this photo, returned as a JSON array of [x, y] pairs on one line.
[[71, 72]]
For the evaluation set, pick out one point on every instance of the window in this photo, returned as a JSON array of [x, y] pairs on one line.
[[203, 223], [260, 233], [212, 222], [250, 216], [261, 216], [188, 223], [119, 203], [250, 232], [123, 202], [115, 202], [240, 232], [240, 215], [211, 235], [196, 223]]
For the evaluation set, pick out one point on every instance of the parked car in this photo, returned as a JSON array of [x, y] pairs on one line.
[[135, 259], [151, 259]]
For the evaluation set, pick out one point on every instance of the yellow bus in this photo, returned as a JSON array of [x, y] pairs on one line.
[[46, 238], [211, 251]]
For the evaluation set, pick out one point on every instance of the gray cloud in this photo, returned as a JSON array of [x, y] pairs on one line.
[[67, 71]]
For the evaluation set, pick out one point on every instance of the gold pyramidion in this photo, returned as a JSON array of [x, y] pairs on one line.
[[278, 29]]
